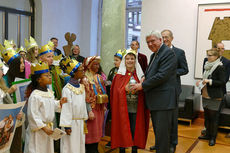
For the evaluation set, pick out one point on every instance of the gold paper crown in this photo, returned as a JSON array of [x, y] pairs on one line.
[[39, 68], [12, 43], [21, 49], [31, 43], [71, 65], [57, 59], [46, 48], [131, 51], [120, 53], [8, 53]]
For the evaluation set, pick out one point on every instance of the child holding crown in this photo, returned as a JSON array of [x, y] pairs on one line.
[[74, 112], [41, 110]]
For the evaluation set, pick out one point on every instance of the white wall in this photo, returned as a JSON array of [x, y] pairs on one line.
[[54, 18], [180, 16]]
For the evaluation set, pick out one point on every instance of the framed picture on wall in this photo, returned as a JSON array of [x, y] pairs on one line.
[[19, 94], [213, 26]]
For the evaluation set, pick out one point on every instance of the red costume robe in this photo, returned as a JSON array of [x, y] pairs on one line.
[[120, 131]]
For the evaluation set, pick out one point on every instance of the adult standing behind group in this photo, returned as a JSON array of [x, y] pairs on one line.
[[159, 85], [212, 93], [142, 59], [75, 53], [56, 51], [182, 69]]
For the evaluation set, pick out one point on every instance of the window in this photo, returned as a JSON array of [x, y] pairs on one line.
[[16, 20], [133, 21]]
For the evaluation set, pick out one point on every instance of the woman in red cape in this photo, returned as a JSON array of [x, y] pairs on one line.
[[121, 134]]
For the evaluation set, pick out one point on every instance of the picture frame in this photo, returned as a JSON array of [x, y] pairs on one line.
[[8, 115], [213, 21], [19, 94]]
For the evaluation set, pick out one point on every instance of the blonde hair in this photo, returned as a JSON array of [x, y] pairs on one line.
[[30, 55], [214, 51]]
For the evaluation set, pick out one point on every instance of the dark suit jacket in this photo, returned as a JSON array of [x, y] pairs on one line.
[[182, 66], [79, 58], [160, 80], [218, 82], [142, 60], [57, 52], [226, 64]]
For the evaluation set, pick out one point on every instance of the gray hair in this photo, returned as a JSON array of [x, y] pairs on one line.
[[154, 33]]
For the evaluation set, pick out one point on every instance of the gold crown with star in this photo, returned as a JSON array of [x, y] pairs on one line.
[[30, 43], [46, 48], [39, 68], [21, 49], [70, 65], [7, 52]]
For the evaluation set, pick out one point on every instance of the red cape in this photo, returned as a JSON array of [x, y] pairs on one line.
[[120, 130]]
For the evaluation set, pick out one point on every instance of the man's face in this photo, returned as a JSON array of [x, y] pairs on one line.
[[220, 48], [134, 45], [167, 38], [55, 43], [153, 43]]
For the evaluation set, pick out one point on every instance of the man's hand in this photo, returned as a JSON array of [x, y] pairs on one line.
[[136, 87]]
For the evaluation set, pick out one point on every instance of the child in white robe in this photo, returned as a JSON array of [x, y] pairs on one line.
[[74, 112], [41, 111]]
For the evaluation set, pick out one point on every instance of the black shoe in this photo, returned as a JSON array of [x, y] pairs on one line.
[[212, 142], [172, 149], [108, 145], [152, 148], [204, 137]]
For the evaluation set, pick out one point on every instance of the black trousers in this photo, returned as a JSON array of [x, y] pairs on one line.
[[132, 122], [91, 148], [174, 129], [211, 122], [162, 123]]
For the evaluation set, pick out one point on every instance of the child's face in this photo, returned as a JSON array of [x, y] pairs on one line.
[[48, 58], [36, 51], [45, 79], [117, 61], [79, 74], [22, 65]]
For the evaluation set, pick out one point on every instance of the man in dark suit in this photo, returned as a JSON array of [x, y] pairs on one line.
[[57, 51], [142, 59], [182, 69], [226, 64], [159, 85]]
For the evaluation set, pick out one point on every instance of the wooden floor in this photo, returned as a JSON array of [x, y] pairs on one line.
[[187, 140]]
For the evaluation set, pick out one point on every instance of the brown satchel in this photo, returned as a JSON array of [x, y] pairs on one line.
[[101, 98]]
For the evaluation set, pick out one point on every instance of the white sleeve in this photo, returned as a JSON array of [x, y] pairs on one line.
[[66, 112], [34, 114]]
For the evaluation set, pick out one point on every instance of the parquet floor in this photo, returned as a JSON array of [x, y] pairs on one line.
[[187, 141]]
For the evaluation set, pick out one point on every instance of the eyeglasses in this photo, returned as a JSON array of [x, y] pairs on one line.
[[210, 55]]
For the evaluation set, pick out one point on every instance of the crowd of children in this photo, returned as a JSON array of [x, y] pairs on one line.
[[63, 93]]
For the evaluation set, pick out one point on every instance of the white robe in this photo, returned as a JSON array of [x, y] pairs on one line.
[[73, 115], [41, 111]]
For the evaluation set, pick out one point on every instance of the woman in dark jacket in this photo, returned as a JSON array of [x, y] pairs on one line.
[[212, 93]]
